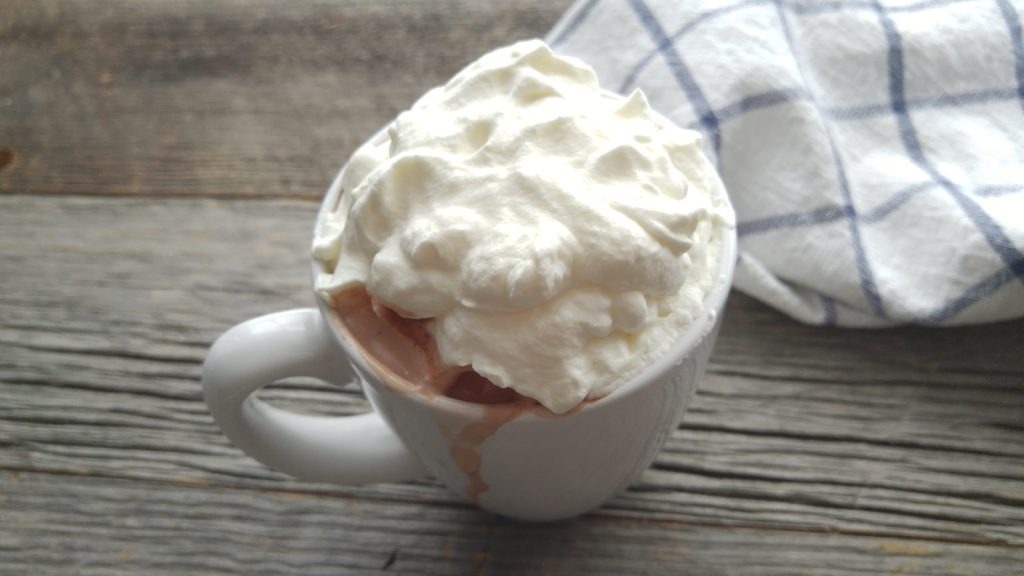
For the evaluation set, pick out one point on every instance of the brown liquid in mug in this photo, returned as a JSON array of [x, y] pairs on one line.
[[403, 353]]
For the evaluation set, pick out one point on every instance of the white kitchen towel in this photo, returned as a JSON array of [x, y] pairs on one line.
[[874, 151]]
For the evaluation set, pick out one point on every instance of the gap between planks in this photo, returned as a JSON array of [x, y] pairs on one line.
[[157, 195]]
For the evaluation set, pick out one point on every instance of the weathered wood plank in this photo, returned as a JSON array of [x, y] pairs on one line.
[[259, 98], [108, 305], [58, 525]]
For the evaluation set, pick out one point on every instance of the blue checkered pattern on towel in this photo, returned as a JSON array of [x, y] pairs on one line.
[[874, 150]]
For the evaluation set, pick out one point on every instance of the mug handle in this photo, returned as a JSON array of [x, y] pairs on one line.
[[343, 450]]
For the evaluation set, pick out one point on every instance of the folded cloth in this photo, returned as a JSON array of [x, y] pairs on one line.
[[874, 151]]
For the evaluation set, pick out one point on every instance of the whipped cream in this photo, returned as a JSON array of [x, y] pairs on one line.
[[559, 236]]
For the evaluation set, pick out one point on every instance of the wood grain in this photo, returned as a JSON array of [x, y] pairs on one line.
[[188, 97], [122, 527], [836, 443]]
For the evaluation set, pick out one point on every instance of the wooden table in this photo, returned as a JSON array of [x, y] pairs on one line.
[[160, 165]]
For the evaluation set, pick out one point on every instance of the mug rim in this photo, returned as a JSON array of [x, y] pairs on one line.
[[711, 309]]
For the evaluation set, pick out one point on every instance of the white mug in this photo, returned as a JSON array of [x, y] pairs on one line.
[[532, 467]]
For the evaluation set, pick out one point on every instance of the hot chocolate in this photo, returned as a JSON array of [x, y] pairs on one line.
[[406, 354], [522, 233], [524, 272]]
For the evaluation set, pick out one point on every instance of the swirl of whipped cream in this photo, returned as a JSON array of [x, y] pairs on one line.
[[560, 237]]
